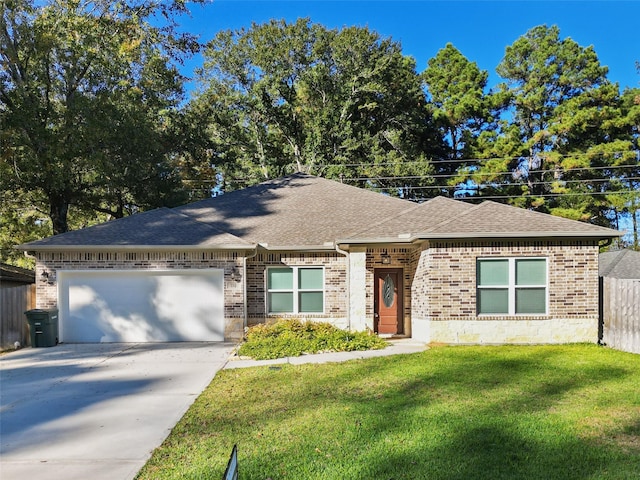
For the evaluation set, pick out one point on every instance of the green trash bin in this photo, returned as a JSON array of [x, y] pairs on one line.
[[43, 327]]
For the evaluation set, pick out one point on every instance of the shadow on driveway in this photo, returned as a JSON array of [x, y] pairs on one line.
[[84, 403]]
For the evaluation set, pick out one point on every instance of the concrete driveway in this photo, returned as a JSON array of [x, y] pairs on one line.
[[96, 411]]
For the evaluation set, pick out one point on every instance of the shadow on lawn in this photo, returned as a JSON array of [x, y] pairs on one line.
[[501, 435], [481, 417], [492, 452]]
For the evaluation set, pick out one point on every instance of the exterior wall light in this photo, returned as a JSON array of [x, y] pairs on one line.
[[234, 274], [47, 277]]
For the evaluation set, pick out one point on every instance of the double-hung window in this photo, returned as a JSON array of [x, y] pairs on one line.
[[295, 290], [512, 286]]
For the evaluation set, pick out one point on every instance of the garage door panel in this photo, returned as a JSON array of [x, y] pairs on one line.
[[132, 306]]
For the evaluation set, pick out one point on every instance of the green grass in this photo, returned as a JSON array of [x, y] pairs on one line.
[[292, 338], [454, 413]]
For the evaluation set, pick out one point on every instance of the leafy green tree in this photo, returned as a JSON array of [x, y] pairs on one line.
[[561, 131], [624, 188], [344, 104], [461, 108], [457, 93], [86, 95], [19, 223]]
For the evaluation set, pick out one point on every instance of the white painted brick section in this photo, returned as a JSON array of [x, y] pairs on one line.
[[514, 331], [358, 290]]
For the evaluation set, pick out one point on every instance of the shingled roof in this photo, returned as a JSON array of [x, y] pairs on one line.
[[306, 212], [619, 264], [296, 211], [490, 219], [162, 227], [418, 218], [10, 274]]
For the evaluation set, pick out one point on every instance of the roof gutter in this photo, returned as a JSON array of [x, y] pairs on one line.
[[413, 238], [428, 236], [297, 248], [131, 248]]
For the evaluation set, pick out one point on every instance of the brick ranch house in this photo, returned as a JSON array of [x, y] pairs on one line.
[[311, 248]]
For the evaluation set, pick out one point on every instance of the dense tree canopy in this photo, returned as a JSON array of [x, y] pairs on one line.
[[298, 97], [86, 93], [458, 97], [94, 123], [561, 135]]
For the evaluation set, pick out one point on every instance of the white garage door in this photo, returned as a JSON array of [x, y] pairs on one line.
[[141, 306]]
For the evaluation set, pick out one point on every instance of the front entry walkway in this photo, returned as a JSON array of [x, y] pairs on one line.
[[96, 411]]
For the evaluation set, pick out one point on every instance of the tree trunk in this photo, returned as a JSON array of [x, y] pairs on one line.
[[634, 217], [59, 208]]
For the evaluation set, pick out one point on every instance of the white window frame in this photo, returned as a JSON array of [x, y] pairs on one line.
[[296, 290], [512, 287]]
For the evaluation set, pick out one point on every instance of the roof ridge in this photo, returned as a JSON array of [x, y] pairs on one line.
[[449, 220], [214, 228], [280, 181], [386, 219], [616, 260]]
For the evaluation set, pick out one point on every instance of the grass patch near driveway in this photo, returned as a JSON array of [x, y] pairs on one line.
[[450, 413]]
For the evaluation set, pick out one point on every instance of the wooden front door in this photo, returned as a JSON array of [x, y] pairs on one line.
[[388, 308]]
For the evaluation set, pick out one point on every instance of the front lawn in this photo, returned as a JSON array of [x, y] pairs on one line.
[[450, 413]]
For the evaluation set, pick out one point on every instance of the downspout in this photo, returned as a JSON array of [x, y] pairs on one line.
[[346, 254], [244, 287], [607, 242]]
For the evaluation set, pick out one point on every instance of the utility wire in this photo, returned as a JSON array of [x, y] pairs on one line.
[[472, 173], [507, 184], [454, 175], [544, 195], [483, 160]]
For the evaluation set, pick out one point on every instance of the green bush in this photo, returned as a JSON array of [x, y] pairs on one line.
[[292, 338]]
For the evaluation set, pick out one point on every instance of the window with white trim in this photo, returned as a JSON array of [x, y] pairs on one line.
[[295, 290], [511, 286]]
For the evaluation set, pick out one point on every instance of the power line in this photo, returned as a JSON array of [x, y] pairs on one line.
[[545, 195], [481, 160], [417, 177], [454, 175], [459, 185], [508, 184]]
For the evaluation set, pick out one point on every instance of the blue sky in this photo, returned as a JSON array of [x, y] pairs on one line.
[[480, 29]]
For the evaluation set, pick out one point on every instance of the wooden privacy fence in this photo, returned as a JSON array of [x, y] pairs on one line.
[[14, 301], [621, 313]]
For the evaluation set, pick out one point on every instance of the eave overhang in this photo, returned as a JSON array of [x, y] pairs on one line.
[[133, 248], [328, 246], [410, 238]]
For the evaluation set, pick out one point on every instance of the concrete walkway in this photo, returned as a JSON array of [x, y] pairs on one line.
[[396, 347], [96, 411]]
